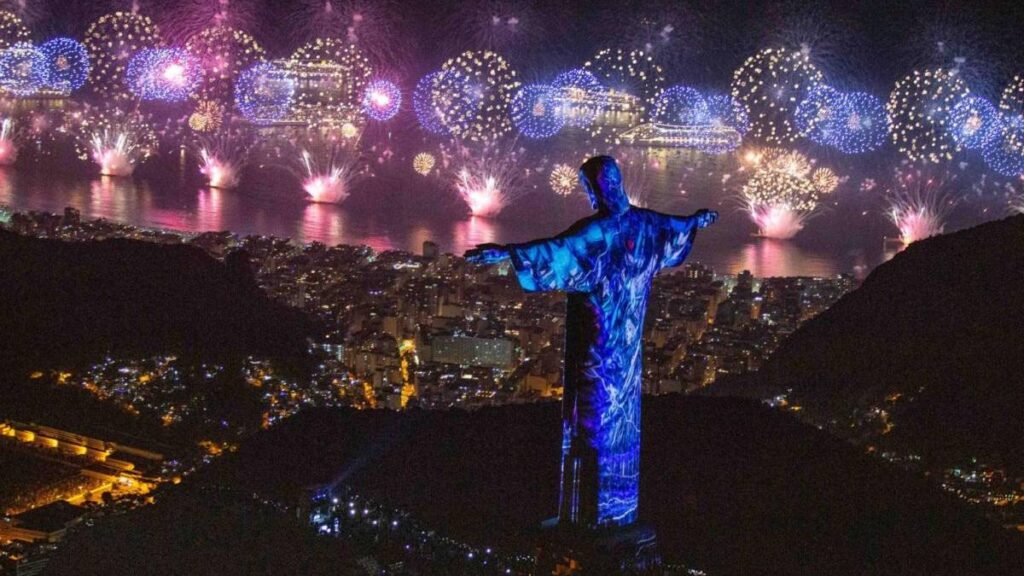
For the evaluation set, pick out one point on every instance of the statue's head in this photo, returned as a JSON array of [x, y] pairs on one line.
[[602, 180]]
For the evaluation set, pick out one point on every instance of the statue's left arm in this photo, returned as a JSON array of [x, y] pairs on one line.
[[678, 234]]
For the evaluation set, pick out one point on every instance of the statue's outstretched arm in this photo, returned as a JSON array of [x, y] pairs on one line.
[[487, 254], [679, 233]]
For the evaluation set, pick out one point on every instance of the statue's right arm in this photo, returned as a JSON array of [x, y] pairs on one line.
[[487, 254]]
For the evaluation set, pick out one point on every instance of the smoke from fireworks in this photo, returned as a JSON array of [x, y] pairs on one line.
[[223, 53]]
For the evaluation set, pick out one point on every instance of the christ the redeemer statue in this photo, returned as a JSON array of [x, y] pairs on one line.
[[606, 263]]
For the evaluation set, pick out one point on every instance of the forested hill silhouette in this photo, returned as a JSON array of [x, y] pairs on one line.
[[732, 487], [65, 302], [942, 326]]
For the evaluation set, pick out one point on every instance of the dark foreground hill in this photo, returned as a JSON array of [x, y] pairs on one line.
[[732, 487], [942, 325], [65, 302], [202, 532]]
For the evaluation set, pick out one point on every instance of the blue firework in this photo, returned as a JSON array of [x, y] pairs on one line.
[[815, 115], [724, 110], [1004, 151], [535, 111], [972, 121], [423, 105], [578, 78], [67, 63], [680, 105], [573, 89], [168, 74], [262, 94], [859, 125], [23, 70], [381, 100]]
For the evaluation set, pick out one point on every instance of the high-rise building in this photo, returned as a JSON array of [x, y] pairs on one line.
[[430, 249], [72, 216]]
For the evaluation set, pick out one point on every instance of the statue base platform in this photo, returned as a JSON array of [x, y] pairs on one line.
[[630, 550]]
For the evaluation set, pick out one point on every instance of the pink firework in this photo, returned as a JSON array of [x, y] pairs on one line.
[[328, 183], [219, 173], [917, 206], [777, 221], [482, 193], [917, 218], [488, 179], [8, 147], [222, 157]]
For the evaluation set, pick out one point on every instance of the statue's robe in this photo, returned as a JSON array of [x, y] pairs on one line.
[[606, 264]]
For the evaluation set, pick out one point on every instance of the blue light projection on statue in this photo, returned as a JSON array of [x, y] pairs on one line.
[[606, 263]]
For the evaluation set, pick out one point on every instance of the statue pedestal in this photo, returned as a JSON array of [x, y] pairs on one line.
[[630, 550]]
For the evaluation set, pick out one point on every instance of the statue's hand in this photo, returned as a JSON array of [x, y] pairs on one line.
[[487, 254], [705, 218]]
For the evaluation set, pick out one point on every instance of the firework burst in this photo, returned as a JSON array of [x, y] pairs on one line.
[[563, 179], [331, 79], [919, 109], [115, 140], [472, 96], [423, 105], [917, 206], [111, 42], [771, 84], [222, 157], [207, 116], [535, 111], [67, 63], [168, 74], [381, 100], [487, 177], [12, 30], [779, 203], [784, 191], [423, 163], [263, 94], [23, 70], [631, 81], [328, 167], [8, 143], [223, 53]]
